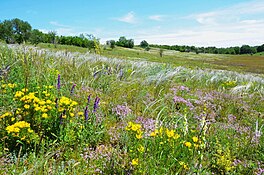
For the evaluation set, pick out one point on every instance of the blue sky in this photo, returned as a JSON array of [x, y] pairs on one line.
[[219, 23]]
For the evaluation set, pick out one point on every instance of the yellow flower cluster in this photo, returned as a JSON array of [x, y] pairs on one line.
[[30, 101], [170, 133], [134, 162], [15, 128], [9, 85], [135, 128], [195, 142], [229, 84], [7, 114], [141, 149], [67, 104], [184, 165]]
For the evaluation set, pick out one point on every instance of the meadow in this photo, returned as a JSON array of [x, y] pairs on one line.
[[68, 111]]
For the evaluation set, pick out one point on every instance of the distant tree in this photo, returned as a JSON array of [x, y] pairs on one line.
[[36, 37], [21, 29], [130, 43], [246, 49], [144, 44], [7, 32], [111, 43], [123, 42], [52, 37], [260, 48]]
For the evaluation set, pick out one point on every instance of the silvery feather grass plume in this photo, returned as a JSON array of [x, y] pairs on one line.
[[156, 72]]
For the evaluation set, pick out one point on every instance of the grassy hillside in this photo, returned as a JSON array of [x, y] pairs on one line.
[[241, 63], [126, 112]]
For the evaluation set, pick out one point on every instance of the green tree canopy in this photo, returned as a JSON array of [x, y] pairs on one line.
[[144, 44]]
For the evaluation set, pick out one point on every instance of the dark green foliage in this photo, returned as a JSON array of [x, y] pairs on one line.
[[6, 31], [260, 48], [111, 43], [36, 37], [21, 30], [144, 44], [15, 31], [123, 42], [246, 49]]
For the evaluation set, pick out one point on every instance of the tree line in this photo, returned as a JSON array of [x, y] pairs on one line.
[[19, 31], [244, 49]]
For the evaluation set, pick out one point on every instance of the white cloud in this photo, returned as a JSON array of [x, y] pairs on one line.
[[128, 18], [156, 17], [235, 25], [229, 14]]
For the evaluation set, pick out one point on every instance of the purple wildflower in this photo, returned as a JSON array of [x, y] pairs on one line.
[[148, 124], [122, 110], [96, 104], [178, 99], [72, 89], [58, 82], [86, 113]]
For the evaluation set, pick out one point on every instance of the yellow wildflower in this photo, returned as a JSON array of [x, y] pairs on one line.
[[19, 94], [48, 102], [6, 115], [138, 136], [176, 136], [24, 90], [45, 115], [134, 162], [26, 106], [141, 149], [154, 133], [170, 133], [80, 113], [135, 127], [195, 139], [12, 128], [188, 144], [72, 114]]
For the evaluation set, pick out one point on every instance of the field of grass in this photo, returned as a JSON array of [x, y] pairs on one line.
[[129, 112], [240, 63]]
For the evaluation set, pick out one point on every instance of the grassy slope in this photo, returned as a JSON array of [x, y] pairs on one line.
[[233, 103], [240, 63]]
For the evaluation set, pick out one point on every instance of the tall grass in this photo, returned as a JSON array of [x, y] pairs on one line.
[[153, 118]]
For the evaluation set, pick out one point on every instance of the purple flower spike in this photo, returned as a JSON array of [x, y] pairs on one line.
[[72, 89], [89, 99], [58, 82], [86, 113], [96, 103]]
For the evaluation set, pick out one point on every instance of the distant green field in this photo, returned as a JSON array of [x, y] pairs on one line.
[[240, 63]]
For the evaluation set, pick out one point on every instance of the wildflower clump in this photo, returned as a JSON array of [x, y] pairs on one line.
[[21, 130], [135, 128]]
